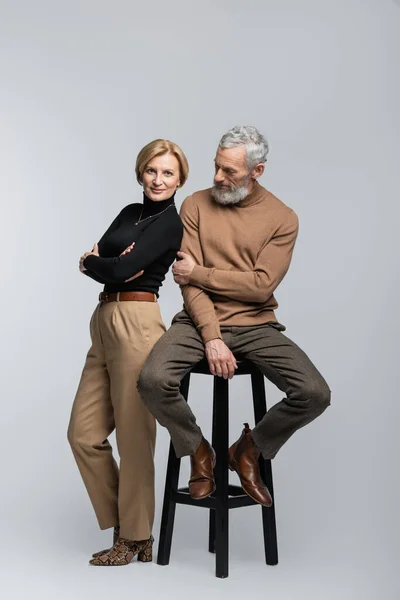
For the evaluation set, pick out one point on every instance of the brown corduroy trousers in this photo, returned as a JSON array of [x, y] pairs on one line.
[[123, 334], [277, 357]]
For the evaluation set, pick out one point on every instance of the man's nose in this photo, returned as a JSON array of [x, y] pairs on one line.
[[219, 176]]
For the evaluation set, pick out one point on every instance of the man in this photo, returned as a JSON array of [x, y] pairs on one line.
[[237, 246]]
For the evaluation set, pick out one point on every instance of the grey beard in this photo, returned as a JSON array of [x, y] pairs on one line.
[[230, 197]]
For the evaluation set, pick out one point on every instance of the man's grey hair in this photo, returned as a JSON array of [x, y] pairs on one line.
[[255, 143]]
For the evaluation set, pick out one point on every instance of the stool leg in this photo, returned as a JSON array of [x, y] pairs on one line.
[[268, 514], [211, 529], [169, 504], [221, 477]]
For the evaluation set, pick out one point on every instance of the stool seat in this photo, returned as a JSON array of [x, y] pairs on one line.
[[226, 496]]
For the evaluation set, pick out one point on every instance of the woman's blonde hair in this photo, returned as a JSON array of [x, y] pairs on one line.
[[158, 148]]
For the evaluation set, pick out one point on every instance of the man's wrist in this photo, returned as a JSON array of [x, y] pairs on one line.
[[199, 276], [209, 332], [212, 340]]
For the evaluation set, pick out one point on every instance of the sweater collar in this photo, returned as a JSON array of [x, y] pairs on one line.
[[255, 196], [153, 207]]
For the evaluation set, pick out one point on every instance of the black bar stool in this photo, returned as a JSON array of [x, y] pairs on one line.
[[225, 496]]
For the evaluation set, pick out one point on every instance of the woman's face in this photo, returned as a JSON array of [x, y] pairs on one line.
[[161, 177]]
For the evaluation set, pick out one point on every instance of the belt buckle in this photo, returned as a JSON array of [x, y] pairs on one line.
[[103, 296]]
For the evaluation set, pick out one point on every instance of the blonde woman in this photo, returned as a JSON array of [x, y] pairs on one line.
[[131, 260]]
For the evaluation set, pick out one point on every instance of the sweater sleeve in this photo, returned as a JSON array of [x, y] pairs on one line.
[[196, 301], [88, 272], [260, 283], [160, 236], [95, 277]]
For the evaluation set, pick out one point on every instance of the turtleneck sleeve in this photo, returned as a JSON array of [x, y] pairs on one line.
[[162, 232]]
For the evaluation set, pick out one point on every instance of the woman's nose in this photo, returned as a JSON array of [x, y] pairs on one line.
[[158, 179]]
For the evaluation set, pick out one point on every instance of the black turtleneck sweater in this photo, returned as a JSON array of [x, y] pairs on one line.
[[157, 231]]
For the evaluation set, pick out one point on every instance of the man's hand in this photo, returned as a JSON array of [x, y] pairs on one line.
[[182, 269], [220, 359], [95, 251]]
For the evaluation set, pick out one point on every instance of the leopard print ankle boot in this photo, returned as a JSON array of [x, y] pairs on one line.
[[115, 539], [124, 551]]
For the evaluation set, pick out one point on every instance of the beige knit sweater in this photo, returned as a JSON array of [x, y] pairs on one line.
[[242, 253]]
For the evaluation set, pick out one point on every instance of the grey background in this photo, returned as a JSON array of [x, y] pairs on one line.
[[84, 85]]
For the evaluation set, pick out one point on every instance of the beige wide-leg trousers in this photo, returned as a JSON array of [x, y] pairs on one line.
[[123, 334]]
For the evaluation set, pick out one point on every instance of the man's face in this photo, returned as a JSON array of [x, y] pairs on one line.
[[230, 167], [232, 180]]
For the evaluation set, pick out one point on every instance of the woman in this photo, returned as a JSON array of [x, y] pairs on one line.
[[131, 259]]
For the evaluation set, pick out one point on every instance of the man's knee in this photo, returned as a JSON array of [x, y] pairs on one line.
[[317, 394], [313, 394], [147, 379], [152, 382]]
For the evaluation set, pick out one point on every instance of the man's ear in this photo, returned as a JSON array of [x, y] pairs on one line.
[[257, 171]]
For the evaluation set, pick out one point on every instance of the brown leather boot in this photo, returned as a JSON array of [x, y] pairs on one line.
[[201, 482], [243, 458]]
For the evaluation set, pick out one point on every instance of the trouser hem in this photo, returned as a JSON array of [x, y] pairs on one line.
[[188, 448], [267, 451], [107, 524]]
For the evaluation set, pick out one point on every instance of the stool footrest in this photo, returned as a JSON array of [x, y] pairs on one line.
[[182, 496], [237, 498]]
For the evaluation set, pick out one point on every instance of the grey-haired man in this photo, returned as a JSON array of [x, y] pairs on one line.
[[237, 247]]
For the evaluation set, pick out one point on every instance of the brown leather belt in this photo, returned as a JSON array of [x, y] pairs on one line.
[[125, 296]]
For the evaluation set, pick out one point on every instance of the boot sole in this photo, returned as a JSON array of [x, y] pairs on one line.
[[235, 470]]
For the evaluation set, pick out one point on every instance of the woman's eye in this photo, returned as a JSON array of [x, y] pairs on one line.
[[168, 173], [150, 170]]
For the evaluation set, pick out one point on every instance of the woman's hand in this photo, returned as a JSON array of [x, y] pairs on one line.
[[134, 276], [95, 251], [126, 251]]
